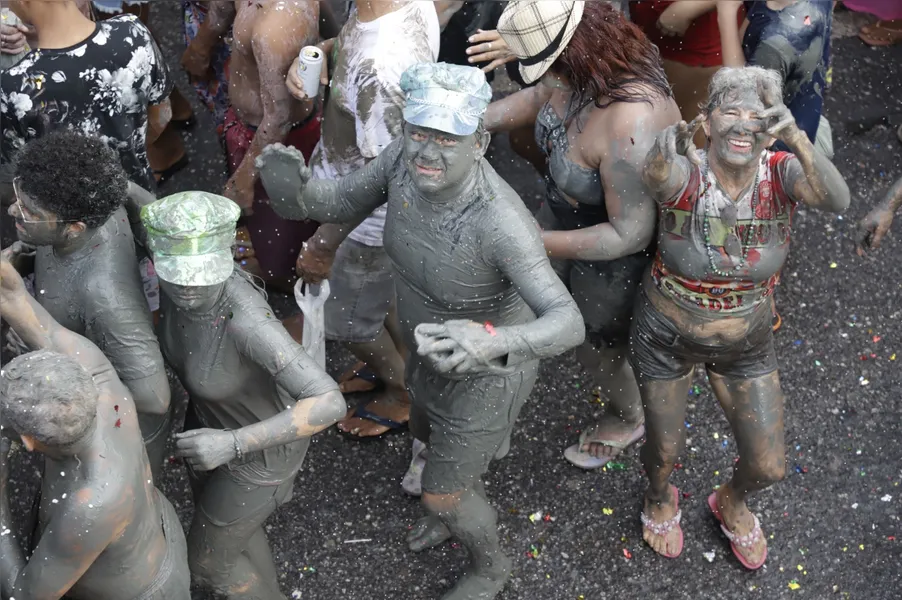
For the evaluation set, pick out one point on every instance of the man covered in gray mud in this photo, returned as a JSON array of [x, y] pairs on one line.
[[476, 293]]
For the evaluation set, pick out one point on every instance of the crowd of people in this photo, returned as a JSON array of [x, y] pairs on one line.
[[675, 139]]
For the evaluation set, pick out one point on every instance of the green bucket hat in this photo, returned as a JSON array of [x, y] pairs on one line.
[[191, 235]]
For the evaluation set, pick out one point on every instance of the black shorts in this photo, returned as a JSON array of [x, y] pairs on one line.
[[659, 349]]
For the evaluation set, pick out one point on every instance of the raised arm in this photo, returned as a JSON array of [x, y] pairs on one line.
[[678, 16], [318, 403], [730, 42], [520, 109], [34, 325], [294, 195], [274, 52], [632, 213], [68, 546], [668, 163]]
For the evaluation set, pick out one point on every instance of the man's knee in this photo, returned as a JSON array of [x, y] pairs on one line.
[[441, 503]]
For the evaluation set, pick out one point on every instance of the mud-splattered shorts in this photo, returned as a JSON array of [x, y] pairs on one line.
[[173, 581], [463, 422]]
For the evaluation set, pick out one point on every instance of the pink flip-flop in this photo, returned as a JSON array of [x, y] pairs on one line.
[[662, 529], [739, 541], [584, 460]]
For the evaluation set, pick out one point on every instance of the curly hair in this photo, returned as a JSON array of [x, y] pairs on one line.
[[609, 57], [49, 397], [76, 177]]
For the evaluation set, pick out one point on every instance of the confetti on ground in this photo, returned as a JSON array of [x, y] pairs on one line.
[[535, 516], [627, 554], [887, 498], [608, 511], [616, 466], [533, 552], [793, 585], [709, 556], [360, 541], [833, 265]]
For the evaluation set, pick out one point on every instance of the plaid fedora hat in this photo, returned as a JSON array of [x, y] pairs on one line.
[[537, 31]]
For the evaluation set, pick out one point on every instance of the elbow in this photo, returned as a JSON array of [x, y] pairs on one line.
[[575, 326], [151, 394], [329, 409]]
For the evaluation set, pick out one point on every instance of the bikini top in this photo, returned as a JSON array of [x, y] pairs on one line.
[[575, 181]]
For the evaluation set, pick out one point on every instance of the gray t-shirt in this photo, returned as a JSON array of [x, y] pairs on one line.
[[240, 366], [97, 292]]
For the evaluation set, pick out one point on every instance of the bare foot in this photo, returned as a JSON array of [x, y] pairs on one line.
[[608, 437], [668, 540], [384, 405], [428, 532], [740, 521]]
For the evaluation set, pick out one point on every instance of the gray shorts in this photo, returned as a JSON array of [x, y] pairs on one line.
[[362, 293], [173, 582], [463, 422], [604, 290]]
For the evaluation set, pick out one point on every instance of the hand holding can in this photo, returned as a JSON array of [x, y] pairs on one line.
[[310, 65]]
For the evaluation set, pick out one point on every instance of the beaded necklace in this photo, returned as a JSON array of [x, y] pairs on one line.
[[733, 238]]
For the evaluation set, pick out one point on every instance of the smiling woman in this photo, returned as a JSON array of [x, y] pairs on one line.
[[724, 226]]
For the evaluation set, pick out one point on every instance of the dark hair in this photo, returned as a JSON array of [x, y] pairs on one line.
[[610, 57], [76, 177], [48, 396]]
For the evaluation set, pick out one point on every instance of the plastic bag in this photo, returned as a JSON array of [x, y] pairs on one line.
[[311, 300]]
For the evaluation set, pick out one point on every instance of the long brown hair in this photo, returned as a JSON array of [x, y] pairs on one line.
[[609, 57]]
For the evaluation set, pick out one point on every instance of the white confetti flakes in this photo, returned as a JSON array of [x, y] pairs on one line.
[[887, 498]]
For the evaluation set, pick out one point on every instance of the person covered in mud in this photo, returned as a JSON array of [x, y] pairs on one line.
[[363, 115], [69, 191], [724, 228], [874, 227], [255, 396], [103, 531], [267, 35], [595, 122], [477, 296]]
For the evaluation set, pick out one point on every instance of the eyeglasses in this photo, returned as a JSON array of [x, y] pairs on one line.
[[23, 209]]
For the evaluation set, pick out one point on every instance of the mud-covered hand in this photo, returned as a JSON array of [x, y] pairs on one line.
[[677, 140], [14, 344], [873, 228], [197, 63], [284, 174], [12, 38], [490, 47], [241, 191], [314, 263], [205, 449], [20, 255], [779, 122], [463, 347]]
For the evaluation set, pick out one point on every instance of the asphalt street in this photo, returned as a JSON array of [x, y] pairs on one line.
[[833, 525]]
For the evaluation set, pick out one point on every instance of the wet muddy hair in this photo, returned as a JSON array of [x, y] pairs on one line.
[[610, 57], [729, 80], [76, 177], [49, 397]]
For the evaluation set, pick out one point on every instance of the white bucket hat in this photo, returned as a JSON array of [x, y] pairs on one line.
[[537, 31]]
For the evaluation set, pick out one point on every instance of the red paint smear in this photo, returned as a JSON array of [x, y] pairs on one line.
[[807, 20], [116, 408], [491, 329], [118, 423]]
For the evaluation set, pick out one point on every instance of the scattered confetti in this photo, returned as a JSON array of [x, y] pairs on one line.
[[887, 498], [793, 585], [533, 552], [118, 423], [627, 554], [709, 556], [608, 511], [535, 516], [833, 265]]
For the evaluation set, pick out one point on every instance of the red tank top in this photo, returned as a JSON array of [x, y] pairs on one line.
[[700, 47]]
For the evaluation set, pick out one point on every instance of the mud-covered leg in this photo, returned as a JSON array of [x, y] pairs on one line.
[[754, 408], [664, 402], [472, 521], [430, 531]]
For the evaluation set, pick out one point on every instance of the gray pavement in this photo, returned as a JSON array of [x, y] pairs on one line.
[[833, 525]]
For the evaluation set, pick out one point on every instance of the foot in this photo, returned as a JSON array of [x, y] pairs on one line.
[[428, 532], [413, 480], [384, 405], [743, 530], [481, 585], [280, 168], [604, 441], [661, 525], [359, 378]]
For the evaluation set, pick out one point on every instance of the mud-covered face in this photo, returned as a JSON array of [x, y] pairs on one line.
[[194, 298], [34, 225], [440, 163], [736, 131]]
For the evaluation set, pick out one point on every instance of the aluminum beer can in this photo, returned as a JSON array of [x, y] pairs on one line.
[[310, 64]]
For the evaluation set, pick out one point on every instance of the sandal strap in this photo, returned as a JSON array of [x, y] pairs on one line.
[[744, 541], [663, 528]]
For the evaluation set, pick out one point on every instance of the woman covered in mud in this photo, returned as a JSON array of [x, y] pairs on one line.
[[725, 217], [601, 100]]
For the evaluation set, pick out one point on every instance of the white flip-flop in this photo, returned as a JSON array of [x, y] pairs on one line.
[[586, 461]]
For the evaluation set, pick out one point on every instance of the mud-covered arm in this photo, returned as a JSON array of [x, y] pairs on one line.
[[73, 540], [520, 109], [811, 177], [667, 164], [517, 251], [632, 212], [294, 195], [136, 199], [118, 320], [36, 328]]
